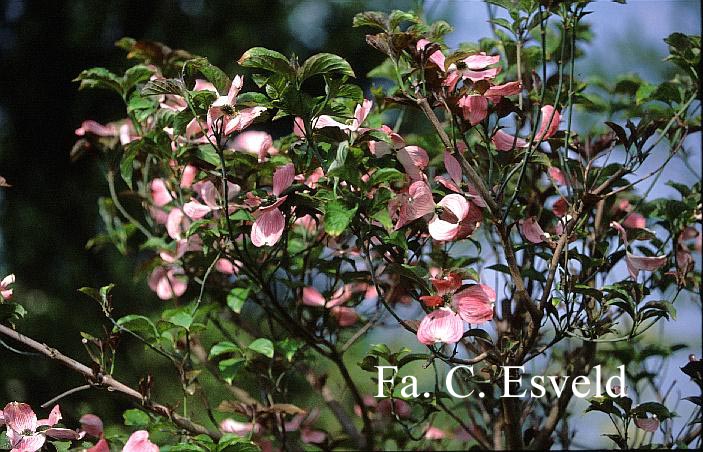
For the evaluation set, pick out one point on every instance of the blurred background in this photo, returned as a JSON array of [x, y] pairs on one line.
[[50, 212]]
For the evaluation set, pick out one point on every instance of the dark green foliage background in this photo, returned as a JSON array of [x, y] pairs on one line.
[[51, 211]]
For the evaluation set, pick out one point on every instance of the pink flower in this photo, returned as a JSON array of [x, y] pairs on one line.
[[444, 290], [239, 428], [173, 103], [255, 142], [531, 230], [437, 57], [313, 297], [388, 407], [204, 85], [5, 290], [414, 160], [506, 142], [381, 148], [442, 325], [475, 304], [360, 113], [304, 423], [100, 446], [497, 92], [223, 109], [92, 425], [458, 219], [435, 433], [227, 267], [560, 207], [455, 180], [634, 220], [160, 195], [139, 442], [475, 67], [415, 204], [22, 427], [189, 173], [650, 424], [345, 316], [3, 183], [177, 223], [637, 263], [557, 175], [268, 227], [549, 125], [168, 282], [474, 108], [195, 210], [97, 129]]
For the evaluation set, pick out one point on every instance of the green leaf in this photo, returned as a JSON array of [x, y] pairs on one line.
[[502, 268], [127, 162], [241, 215], [99, 77], [385, 175], [397, 17], [236, 298], [269, 60], [588, 291], [230, 367], [339, 159], [179, 318], [373, 19], [337, 217], [253, 99], [480, 334], [263, 346], [289, 347], [660, 410], [407, 359], [324, 64], [134, 75], [214, 74], [222, 348], [138, 324], [11, 311], [207, 154], [163, 86], [381, 350], [183, 448], [233, 443], [136, 418], [369, 363]]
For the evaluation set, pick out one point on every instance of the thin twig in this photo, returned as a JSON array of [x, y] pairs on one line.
[[109, 383]]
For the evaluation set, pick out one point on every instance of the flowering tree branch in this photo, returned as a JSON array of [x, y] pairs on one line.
[[108, 382]]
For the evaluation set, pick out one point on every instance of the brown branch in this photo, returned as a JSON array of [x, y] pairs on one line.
[[109, 383], [320, 383], [492, 208], [470, 172], [241, 394], [583, 358]]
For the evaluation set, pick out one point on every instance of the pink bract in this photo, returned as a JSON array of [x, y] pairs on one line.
[[415, 204], [475, 304], [139, 442], [442, 325], [531, 230]]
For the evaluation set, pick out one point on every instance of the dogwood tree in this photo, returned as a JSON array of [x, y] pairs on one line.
[[453, 215]]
